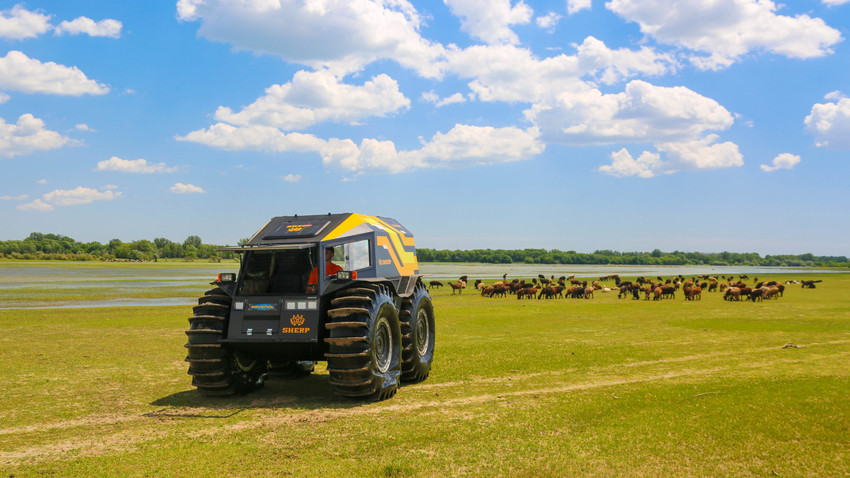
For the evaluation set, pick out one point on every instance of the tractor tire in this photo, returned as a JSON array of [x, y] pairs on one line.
[[216, 369], [417, 335], [364, 356]]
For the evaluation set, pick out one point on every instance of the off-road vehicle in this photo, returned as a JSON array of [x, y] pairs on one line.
[[372, 321]]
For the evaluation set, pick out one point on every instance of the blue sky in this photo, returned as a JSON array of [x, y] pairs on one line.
[[700, 125]]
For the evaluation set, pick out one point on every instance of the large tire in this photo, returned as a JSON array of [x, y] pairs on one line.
[[364, 359], [417, 335], [216, 369]]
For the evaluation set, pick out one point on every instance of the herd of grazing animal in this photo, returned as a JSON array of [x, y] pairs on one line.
[[656, 289]]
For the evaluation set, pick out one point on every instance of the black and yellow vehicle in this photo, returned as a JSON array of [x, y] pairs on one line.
[[372, 320]]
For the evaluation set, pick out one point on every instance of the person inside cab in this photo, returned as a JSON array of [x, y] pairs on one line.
[[330, 269]]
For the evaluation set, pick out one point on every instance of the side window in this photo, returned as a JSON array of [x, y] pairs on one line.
[[357, 255]]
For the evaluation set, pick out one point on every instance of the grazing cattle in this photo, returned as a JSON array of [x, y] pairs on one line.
[[756, 294], [809, 284], [528, 292], [732, 293], [488, 291], [668, 291], [435, 284], [694, 294], [477, 283], [588, 292], [547, 292], [771, 292], [457, 287], [658, 293], [712, 287], [575, 292]]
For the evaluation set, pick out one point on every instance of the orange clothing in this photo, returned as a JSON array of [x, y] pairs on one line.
[[330, 269]]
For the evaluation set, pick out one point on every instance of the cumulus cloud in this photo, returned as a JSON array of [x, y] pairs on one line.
[[132, 166], [431, 97], [701, 154], [83, 127], [508, 73], [725, 30], [623, 164], [462, 146], [830, 123], [292, 178], [642, 113], [70, 197], [37, 205], [548, 22], [104, 28], [180, 188], [343, 35], [782, 161], [575, 6], [14, 198], [313, 97], [490, 20], [19, 23], [3, 98], [18, 72], [833, 3], [27, 136]]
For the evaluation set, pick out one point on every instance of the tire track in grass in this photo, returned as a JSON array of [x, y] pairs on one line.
[[127, 439]]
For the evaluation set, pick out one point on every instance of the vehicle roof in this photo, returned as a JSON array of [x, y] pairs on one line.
[[292, 230]]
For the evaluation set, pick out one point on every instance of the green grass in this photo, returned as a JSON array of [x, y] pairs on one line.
[[527, 388]]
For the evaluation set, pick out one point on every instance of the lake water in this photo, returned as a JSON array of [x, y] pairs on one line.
[[186, 281]]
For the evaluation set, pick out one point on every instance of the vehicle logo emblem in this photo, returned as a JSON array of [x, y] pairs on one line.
[[297, 320]]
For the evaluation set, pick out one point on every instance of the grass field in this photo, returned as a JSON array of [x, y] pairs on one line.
[[525, 388]]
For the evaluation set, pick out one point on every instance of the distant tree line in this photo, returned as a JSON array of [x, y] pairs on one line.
[[608, 257], [57, 247]]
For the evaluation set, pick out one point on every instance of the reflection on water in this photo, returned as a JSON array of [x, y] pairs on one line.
[[183, 281]]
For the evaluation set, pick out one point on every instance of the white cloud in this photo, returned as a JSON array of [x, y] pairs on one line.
[[80, 195], [431, 97], [69, 197], [833, 3], [37, 205], [83, 127], [782, 161], [19, 23], [14, 198], [181, 188], [42, 181], [132, 166], [830, 124], [292, 178], [450, 100], [509, 73], [343, 35], [702, 154], [575, 6], [548, 22], [3, 98], [18, 72], [27, 136], [490, 20], [313, 97], [642, 113], [104, 28], [725, 30], [624, 165], [462, 146]]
